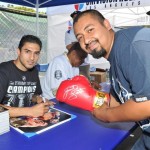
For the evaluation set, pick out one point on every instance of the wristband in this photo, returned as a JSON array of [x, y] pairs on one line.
[[100, 98]]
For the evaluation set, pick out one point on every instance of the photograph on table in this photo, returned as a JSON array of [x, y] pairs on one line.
[[30, 126]]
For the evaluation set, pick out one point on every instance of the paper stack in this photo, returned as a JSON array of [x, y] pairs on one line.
[[4, 120]]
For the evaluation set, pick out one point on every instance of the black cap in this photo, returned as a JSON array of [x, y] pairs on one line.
[[74, 13], [148, 13]]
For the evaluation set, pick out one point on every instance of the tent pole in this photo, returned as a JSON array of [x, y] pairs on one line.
[[37, 17], [45, 2], [37, 14], [37, 5]]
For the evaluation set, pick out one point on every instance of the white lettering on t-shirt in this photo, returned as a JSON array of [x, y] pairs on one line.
[[21, 89]]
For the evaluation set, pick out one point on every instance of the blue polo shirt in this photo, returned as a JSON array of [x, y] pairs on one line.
[[130, 66]]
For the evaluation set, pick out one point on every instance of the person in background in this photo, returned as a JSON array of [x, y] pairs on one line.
[[62, 67], [19, 81], [69, 40], [69, 34], [128, 52]]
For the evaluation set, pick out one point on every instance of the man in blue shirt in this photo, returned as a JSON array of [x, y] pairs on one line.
[[128, 52]]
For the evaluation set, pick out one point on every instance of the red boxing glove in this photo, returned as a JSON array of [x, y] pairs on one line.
[[79, 93]]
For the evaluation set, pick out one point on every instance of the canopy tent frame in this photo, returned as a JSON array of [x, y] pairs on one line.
[[37, 6], [48, 3]]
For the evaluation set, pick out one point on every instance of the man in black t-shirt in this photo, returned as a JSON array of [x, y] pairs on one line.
[[19, 81]]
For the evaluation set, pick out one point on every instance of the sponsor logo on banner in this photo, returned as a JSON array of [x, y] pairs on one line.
[[111, 4], [79, 6], [99, 5]]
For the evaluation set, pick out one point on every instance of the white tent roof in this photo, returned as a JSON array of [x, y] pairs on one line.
[[128, 16], [119, 13]]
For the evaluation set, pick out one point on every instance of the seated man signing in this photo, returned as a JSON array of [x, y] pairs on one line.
[[61, 68], [19, 81]]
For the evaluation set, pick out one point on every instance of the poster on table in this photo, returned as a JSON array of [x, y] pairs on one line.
[[30, 126]]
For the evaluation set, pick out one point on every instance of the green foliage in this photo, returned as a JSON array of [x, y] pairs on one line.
[[23, 8]]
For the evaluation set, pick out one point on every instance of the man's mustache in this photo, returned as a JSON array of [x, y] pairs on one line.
[[87, 45]]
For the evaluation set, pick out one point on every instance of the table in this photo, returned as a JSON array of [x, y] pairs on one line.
[[82, 133]]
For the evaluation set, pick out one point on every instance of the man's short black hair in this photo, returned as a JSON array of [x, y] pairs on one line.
[[30, 39], [74, 13], [93, 13]]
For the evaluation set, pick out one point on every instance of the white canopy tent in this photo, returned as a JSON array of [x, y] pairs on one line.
[[128, 16], [37, 6], [41, 4], [119, 13]]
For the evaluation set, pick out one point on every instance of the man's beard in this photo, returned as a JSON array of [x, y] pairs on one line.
[[98, 54]]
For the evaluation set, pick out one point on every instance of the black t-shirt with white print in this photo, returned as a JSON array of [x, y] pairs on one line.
[[17, 86]]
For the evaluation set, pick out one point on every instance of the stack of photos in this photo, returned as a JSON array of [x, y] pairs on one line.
[[4, 120]]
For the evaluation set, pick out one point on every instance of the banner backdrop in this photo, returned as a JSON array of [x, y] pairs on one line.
[[59, 20], [99, 5]]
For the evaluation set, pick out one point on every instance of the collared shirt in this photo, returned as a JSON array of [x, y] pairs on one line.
[[59, 70]]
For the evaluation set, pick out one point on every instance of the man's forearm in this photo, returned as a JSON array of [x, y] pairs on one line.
[[18, 111], [129, 111], [113, 102], [34, 111]]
